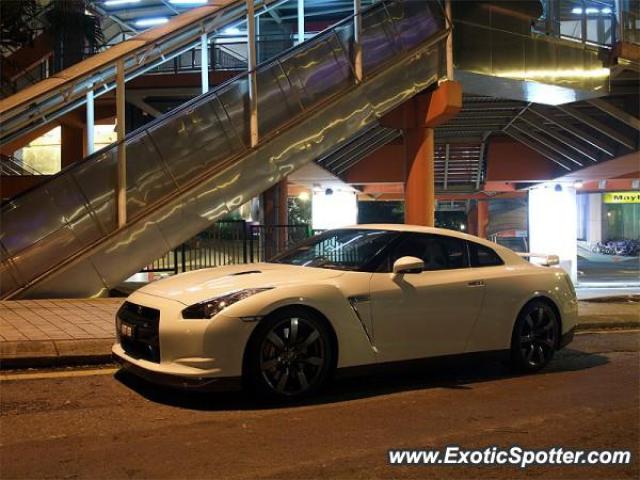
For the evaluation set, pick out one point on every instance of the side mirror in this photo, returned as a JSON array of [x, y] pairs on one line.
[[408, 265]]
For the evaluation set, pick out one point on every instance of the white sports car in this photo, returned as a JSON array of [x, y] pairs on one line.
[[359, 296]]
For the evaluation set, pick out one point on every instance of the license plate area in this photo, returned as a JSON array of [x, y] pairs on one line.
[[127, 331]]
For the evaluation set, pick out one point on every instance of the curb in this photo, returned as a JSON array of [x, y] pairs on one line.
[[66, 353], [45, 353]]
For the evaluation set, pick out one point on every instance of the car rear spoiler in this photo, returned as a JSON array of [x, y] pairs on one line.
[[541, 259]]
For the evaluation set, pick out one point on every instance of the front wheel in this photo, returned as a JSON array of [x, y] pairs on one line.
[[290, 355], [535, 337]]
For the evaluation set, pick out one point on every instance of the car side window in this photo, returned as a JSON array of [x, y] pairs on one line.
[[482, 256], [438, 252]]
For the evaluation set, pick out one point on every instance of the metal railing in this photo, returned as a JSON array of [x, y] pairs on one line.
[[67, 90], [230, 242]]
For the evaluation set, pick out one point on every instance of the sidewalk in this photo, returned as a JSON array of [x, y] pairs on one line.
[[50, 332], [35, 333]]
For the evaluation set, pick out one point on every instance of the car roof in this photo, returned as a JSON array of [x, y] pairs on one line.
[[506, 254]]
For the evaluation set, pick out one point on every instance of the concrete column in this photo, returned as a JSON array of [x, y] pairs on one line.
[[594, 219], [420, 178], [483, 218], [72, 144]]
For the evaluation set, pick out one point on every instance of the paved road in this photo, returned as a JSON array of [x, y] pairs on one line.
[[87, 424]]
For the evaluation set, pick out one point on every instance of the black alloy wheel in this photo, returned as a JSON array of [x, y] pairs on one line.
[[291, 355], [535, 337]]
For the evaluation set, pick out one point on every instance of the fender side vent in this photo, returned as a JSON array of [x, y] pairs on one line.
[[248, 272]]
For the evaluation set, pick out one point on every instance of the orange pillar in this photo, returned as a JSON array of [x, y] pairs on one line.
[[418, 117], [483, 218], [419, 192]]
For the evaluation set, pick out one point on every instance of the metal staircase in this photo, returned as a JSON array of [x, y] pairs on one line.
[[195, 164]]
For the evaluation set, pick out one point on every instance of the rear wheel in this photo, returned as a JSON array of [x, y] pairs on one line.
[[290, 355], [535, 337]]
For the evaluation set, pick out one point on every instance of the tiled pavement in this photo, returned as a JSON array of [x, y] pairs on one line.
[[58, 319], [49, 332]]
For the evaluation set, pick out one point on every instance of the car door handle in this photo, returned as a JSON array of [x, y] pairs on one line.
[[476, 283]]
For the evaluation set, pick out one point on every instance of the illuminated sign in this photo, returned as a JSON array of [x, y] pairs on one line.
[[621, 197]]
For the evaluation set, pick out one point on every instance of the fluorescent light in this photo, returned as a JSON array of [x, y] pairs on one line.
[[304, 196], [188, 2], [592, 11], [231, 31], [577, 11], [606, 11], [148, 22], [115, 3]]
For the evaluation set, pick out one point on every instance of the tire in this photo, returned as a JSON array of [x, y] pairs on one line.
[[290, 355], [535, 337]]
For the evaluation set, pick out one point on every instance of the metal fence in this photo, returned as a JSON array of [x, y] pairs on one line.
[[230, 242]]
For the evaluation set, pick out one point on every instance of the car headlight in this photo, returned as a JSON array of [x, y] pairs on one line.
[[210, 308]]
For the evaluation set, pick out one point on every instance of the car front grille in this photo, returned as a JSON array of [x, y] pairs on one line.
[[137, 328]]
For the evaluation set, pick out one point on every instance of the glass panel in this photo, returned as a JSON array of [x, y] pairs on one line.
[[277, 104], [147, 178]]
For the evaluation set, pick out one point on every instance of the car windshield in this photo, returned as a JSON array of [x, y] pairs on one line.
[[348, 249]]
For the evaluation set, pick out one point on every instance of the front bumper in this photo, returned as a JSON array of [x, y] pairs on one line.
[[193, 383]]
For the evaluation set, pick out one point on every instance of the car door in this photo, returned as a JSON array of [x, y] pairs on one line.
[[425, 314]]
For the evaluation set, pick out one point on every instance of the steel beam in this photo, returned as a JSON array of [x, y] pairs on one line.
[[90, 122], [301, 27], [121, 199], [574, 131], [449, 44], [251, 66], [204, 62], [357, 39], [616, 112], [597, 125], [541, 149], [547, 142], [561, 137], [446, 165]]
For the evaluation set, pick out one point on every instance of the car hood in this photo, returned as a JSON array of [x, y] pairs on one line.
[[200, 285]]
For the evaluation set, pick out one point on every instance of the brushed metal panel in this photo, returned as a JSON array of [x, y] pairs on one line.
[[8, 282], [75, 212], [147, 178], [142, 242], [277, 103], [97, 181]]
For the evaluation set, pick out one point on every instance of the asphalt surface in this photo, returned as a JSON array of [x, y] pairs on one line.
[[94, 424]]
